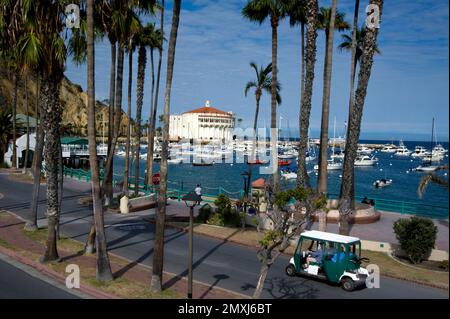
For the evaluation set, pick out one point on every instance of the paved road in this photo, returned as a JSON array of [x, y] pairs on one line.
[[216, 263], [22, 282]]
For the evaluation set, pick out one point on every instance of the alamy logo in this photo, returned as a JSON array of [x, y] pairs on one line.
[[73, 279], [72, 12], [373, 16], [373, 279]]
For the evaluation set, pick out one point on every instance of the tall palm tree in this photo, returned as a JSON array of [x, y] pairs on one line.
[[354, 125], [126, 21], [329, 20], [352, 46], [262, 83], [131, 46], [103, 272], [156, 43], [274, 10], [311, 14], [27, 147], [145, 38], [158, 255]]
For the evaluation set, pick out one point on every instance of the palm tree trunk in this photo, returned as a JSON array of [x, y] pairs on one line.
[[27, 149], [255, 125], [14, 116], [354, 125], [112, 88], [273, 115], [60, 187], [127, 144], [118, 112], [31, 224], [142, 61], [52, 118], [103, 272], [311, 11], [323, 156], [353, 65], [158, 255], [151, 136]]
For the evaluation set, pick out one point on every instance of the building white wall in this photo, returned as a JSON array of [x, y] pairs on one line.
[[201, 126]]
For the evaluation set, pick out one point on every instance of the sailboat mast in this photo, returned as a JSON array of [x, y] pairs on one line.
[[432, 134]]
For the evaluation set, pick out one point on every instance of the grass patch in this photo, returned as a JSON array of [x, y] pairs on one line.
[[125, 288], [390, 267], [7, 245], [64, 243]]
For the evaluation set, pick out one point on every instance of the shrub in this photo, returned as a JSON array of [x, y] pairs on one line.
[[417, 237], [3, 165], [216, 219], [444, 265], [203, 213]]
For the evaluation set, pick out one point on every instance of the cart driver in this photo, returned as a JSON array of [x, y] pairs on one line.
[[315, 256]]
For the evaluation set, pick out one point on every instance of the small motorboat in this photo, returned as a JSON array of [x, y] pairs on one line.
[[284, 162], [365, 161], [257, 162], [426, 168], [203, 163], [332, 165], [175, 161], [379, 183], [288, 175]]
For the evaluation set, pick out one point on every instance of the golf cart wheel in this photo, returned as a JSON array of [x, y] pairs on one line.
[[290, 270], [347, 284]]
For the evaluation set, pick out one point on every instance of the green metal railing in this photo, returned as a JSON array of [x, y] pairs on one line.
[[177, 190], [404, 207]]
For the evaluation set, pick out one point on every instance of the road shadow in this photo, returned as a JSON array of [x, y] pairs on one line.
[[175, 279], [218, 277]]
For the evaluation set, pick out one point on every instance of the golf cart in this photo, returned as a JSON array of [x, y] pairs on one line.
[[331, 257]]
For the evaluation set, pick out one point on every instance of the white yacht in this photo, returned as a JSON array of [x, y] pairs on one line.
[[389, 148], [402, 150], [288, 175], [332, 165], [365, 161], [420, 151], [439, 149], [364, 150]]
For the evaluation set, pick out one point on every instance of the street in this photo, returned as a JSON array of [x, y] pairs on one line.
[[216, 263]]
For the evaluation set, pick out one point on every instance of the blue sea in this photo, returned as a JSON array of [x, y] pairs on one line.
[[403, 188]]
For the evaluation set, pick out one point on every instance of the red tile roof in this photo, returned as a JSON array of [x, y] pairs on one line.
[[209, 110], [259, 183]]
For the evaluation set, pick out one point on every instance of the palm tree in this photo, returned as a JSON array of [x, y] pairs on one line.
[[353, 48], [354, 125], [27, 148], [329, 20], [311, 14], [433, 178], [103, 272], [262, 83], [145, 39], [131, 46], [127, 23], [275, 10], [158, 255], [156, 43]]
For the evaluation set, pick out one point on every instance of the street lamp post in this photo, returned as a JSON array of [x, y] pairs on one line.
[[191, 199]]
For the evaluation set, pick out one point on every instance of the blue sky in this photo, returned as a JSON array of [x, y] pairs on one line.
[[408, 86]]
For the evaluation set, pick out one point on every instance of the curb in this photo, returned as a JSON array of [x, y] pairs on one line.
[[55, 275]]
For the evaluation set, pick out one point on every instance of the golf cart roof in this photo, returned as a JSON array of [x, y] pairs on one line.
[[320, 235]]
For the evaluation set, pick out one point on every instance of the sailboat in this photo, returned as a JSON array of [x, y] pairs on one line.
[[332, 164], [427, 165]]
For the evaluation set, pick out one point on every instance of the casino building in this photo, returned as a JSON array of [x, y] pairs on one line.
[[205, 123]]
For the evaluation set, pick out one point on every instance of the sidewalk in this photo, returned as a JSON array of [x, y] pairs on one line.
[[132, 279]]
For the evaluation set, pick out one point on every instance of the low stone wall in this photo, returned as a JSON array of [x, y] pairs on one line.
[[141, 203]]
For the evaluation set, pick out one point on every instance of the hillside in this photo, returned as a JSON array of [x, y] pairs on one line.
[[73, 101]]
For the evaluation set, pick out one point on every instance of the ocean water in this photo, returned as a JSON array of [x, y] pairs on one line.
[[403, 188]]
